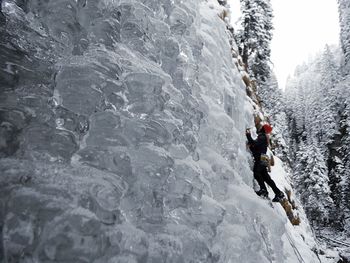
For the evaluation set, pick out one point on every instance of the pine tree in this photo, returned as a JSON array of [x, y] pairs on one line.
[[313, 113], [335, 174], [245, 38], [255, 37], [345, 173], [318, 110], [313, 184], [344, 18], [330, 100]]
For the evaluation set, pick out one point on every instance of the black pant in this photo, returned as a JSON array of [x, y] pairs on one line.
[[262, 176]]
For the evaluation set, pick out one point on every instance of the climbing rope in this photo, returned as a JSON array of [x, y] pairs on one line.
[[296, 251]]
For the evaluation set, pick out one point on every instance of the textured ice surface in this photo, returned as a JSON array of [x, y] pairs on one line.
[[122, 137]]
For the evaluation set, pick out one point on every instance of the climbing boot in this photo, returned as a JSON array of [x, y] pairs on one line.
[[262, 193], [278, 197]]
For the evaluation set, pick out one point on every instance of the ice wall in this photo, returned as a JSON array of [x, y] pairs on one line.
[[122, 137]]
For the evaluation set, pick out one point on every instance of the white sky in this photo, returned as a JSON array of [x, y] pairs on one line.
[[302, 28]]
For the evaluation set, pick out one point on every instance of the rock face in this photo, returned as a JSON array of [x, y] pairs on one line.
[[122, 136]]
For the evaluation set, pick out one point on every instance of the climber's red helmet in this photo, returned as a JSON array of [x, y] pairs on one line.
[[267, 128]]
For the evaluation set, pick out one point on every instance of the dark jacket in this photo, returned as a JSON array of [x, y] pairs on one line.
[[258, 146]]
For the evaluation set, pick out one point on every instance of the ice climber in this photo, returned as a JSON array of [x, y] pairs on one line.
[[259, 149]]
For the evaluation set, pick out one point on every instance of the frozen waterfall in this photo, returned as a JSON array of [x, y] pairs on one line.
[[122, 137]]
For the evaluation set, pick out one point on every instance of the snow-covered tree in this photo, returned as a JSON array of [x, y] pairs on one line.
[[330, 100], [344, 18], [255, 37], [312, 183], [344, 153], [318, 201], [315, 108], [335, 173]]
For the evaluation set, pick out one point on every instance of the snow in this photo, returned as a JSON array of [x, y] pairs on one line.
[[296, 236], [299, 241]]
